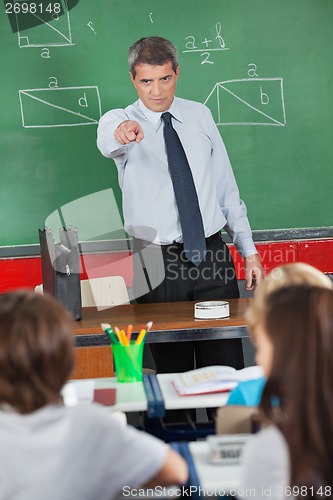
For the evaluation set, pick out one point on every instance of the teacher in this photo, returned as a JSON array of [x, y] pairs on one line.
[[178, 192]]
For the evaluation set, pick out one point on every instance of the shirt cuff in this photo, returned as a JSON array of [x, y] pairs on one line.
[[246, 247]]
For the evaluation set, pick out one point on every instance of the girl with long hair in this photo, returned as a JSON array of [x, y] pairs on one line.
[[292, 456]]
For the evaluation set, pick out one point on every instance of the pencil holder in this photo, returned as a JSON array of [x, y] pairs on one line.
[[128, 362]]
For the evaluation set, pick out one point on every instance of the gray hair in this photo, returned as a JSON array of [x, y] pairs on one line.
[[153, 50]]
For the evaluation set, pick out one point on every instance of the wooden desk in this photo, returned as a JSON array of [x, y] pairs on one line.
[[172, 322]]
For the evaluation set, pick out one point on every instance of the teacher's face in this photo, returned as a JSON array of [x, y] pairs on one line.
[[155, 85]]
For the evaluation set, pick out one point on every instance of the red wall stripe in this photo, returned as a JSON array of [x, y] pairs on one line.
[[319, 253], [26, 272], [272, 254], [23, 272]]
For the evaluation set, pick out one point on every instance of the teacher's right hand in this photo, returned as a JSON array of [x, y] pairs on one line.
[[128, 131]]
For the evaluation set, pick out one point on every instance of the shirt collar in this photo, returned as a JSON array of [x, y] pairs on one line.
[[155, 118]]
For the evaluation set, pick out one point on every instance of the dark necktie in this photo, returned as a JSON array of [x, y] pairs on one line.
[[185, 194]]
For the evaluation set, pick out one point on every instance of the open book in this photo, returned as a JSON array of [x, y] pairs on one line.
[[213, 379]]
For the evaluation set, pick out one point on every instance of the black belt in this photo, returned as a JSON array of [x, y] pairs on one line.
[[142, 243], [209, 240]]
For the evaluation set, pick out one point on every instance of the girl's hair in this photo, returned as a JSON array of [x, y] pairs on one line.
[[299, 322], [289, 274], [36, 350], [153, 50]]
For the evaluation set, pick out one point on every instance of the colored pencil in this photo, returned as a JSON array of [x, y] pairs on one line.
[[129, 332], [141, 336], [106, 327]]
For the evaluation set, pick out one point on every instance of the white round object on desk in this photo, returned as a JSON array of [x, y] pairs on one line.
[[213, 309]]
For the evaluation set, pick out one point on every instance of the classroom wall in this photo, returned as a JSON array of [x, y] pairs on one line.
[[263, 67]]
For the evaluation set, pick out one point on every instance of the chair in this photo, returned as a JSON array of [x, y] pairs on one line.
[[236, 419], [104, 292], [101, 292]]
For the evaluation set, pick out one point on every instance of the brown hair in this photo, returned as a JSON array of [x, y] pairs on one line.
[[297, 273], [36, 350], [299, 322]]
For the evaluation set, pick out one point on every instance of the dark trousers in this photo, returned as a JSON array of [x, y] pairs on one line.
[[214, 279]]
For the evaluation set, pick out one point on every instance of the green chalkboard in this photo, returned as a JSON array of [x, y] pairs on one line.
[[264, 67]]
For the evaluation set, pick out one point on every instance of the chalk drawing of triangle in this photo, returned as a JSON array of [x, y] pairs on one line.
[[237, 102], [43, 107], [36, 30]]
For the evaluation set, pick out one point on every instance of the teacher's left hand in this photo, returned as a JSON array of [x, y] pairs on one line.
[[253, 272]]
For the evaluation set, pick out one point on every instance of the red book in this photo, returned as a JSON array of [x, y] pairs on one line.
[[105, 397]]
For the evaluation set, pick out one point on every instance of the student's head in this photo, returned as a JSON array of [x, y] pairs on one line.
[[286, 275], [36, 350], [154, 71], [297, 330]]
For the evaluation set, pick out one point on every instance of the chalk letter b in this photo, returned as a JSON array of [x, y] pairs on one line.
[[263, 97]]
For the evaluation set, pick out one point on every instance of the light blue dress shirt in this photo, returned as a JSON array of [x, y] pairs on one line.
[[148, 198]]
